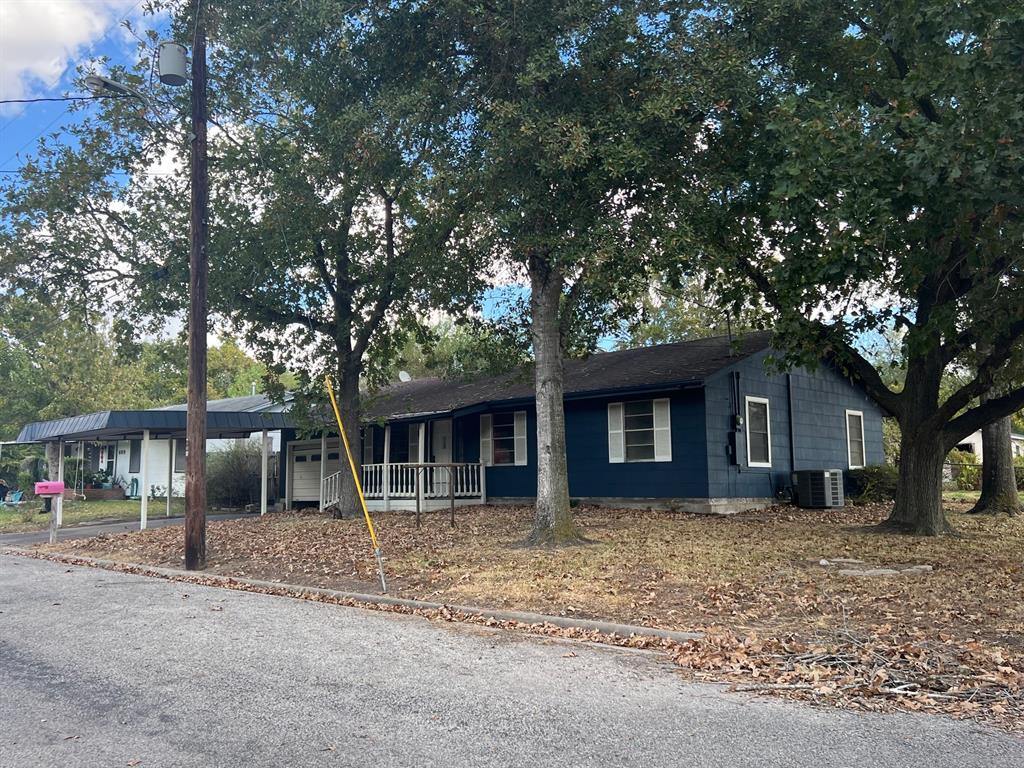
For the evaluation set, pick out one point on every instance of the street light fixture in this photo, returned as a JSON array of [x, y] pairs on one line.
[[171, 66], [104, 86]]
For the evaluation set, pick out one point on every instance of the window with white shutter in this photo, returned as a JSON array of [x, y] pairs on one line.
[[640, 430], [520, 437], [616, 447], [662, 430]]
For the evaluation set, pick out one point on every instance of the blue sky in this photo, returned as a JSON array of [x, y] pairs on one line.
[[41, 43]]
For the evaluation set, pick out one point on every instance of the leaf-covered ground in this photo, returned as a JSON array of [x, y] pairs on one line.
[[950, 639]]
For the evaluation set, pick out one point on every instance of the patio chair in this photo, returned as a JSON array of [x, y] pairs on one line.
[[14, 499]]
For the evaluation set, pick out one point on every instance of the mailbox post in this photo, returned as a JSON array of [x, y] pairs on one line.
[[54, 490]]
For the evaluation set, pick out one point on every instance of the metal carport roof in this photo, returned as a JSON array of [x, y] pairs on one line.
[[161, 423]]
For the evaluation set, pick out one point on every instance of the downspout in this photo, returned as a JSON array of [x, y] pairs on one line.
[[792, 431]]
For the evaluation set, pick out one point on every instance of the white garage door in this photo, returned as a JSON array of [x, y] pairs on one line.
[[306, 471]]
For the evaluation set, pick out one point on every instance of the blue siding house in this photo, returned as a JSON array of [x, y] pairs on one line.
[[703, 426]]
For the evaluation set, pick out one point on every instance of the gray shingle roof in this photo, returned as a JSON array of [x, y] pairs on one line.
[[233, 404], [644, 368]]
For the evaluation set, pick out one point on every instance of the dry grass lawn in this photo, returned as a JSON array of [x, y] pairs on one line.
[[950, 639], [751, 571]]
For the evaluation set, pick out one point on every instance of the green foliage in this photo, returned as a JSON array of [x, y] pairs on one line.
[[576, 115], [339, 223], [873, 484], [861, 174], [891, 441], [233, 475], [462, 351], [965, 469], [59, 363], [681, 313]]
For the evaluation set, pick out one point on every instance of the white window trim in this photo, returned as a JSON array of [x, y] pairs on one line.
[[746, 424], [617, 431], [863, 443], [520, 440]]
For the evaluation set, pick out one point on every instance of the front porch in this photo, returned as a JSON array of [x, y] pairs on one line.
[[413, 487]]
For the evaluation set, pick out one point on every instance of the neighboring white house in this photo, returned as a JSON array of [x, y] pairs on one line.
[[121, 459], [972, 444]]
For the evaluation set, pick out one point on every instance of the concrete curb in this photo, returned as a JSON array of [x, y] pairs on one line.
[[362, 599]]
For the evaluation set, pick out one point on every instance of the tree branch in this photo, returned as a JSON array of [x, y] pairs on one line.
[[835, 348], [320, 262], [976, 418]]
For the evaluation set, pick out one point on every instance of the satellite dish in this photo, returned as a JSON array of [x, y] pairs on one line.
[[404, 376]]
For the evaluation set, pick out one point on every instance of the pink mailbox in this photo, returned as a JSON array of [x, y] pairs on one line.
[[50, 488]]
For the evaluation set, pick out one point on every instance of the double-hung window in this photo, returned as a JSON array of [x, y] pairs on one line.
[[759, 432], [855, 438], [503, 438], [639, 430]]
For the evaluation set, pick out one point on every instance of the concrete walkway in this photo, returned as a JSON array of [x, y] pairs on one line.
[[95, 529], [104, 669]]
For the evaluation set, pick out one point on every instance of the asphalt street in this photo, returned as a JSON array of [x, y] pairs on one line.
[[95, 529], [106, 669]]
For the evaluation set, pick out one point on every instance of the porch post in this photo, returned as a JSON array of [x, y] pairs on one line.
[[422, 458], [387, 467], [323, 466], [170, 473], [264, 459], [483, 482], [59, 509], [144, 483]]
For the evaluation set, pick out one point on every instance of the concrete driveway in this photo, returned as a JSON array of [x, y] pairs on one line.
[[106, 669], [95, 529]]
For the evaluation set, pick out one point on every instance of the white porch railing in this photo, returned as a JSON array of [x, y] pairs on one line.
[[412, 481]]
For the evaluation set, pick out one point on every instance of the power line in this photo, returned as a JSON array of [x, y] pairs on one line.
[[34, 138], [52, 98]]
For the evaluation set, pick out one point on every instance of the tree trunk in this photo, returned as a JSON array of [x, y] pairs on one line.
[[553, 522], [918, 507], [998, 482], [348, 403]]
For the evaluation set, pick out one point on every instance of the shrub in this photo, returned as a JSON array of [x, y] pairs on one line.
[[233, 476], [26, 484], [1018, 470], [964, 470], [872, 484]]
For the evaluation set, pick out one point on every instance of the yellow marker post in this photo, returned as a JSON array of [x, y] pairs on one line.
[[359, 485]]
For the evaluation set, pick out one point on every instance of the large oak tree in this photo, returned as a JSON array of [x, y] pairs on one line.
[[574, 114], [863, 173]]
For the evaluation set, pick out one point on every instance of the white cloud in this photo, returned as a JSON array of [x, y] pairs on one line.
[[40, 39]]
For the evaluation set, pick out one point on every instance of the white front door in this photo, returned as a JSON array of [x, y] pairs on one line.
[[441, 445]]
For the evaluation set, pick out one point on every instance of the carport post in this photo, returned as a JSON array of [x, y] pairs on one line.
[[144, 482], [170, 473], [323, 466], [58, 504], [287, 475], [264, 459]]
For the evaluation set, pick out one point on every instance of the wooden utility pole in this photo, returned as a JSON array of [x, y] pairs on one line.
[[195, 429]]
